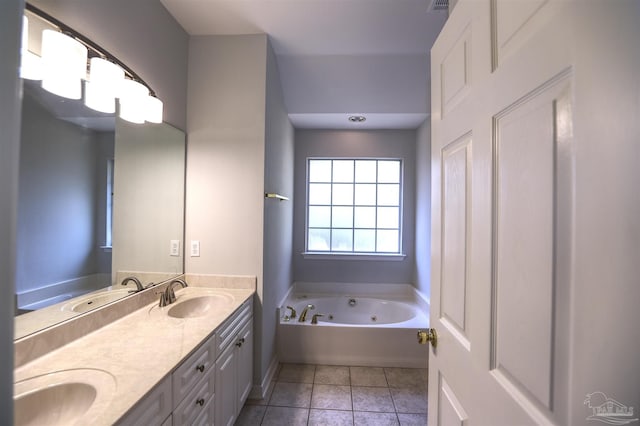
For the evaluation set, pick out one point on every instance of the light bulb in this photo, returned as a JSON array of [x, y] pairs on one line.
[[133, 101], [64, 63], [105, 82]]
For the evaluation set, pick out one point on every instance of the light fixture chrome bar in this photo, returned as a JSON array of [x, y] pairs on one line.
[[94, 48]]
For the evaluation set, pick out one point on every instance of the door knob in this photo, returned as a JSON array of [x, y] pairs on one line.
[[427, 336]]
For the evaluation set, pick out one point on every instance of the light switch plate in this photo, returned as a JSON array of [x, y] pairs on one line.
[[174, 248], [195, 248]]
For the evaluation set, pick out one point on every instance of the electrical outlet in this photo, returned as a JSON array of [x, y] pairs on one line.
[[195, 248], [174, 249]]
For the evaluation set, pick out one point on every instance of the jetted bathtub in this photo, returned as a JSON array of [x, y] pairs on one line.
[[360, 324]]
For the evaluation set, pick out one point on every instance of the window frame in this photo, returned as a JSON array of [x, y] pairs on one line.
[[352, 254]]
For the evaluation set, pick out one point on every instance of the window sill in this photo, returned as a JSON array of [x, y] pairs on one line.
[[353, 256]]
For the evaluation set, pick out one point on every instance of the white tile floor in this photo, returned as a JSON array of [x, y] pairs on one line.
[[314, 395]]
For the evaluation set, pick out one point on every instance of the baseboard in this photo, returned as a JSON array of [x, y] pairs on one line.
[[261, 391]]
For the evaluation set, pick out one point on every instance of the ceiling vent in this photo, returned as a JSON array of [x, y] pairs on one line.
[[439, 6]]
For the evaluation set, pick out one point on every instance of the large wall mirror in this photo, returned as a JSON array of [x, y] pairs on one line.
[[100, 199]]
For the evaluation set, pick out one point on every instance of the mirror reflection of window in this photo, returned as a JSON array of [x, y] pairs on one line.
[[109, 212]]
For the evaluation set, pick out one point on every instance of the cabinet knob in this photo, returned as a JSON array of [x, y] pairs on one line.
[[200, 368], [200, 402]]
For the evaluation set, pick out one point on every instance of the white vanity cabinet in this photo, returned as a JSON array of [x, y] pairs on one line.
[[186, 397], [234, 365], [222, 363], [193, 385], [153, 409]]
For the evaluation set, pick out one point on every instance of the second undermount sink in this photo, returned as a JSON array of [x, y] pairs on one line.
[[194, 302], [66, 397], [95, 300]]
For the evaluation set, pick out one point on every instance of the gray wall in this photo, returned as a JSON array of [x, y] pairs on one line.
[[240, 145], [143, 35], [105, 151], [10, 23], [313, 82], [148, 200], [374, 143], [58, 200], [422, 279], [226, 162], [278, 215], [225, 154]]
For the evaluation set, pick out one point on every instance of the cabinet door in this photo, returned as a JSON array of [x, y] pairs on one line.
[[193, 369], [206, 418], [198, 401], [226, 393], [245, 363]]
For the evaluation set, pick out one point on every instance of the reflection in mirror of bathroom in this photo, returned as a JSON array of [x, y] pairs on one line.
[[99, 199]]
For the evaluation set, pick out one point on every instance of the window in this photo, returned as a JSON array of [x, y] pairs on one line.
[[354, 206], [109, 204]]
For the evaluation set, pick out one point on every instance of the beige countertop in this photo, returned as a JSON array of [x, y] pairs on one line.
[[138, 350]]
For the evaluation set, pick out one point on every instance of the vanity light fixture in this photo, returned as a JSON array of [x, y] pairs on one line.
[[64, 66], [357, 118], [104, 85], [154, 109], [64, 63], [133, 101], [30, 66]]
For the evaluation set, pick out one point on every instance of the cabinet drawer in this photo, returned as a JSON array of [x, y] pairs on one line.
[[153, 409], [230, 328], [197, 366], [198, 401]]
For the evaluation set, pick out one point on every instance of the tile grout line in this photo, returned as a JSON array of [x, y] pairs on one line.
[[338, 383]]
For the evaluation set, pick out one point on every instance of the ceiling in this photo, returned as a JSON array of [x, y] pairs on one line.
[[336, 57], [71, 110]]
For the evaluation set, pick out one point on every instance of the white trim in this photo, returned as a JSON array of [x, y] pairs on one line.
[[262, 390], [353, 256]]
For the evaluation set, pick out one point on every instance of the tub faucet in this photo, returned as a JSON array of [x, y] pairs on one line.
[[303, 315], [293, 312], [169, 293], [139, 286], [314, 318]]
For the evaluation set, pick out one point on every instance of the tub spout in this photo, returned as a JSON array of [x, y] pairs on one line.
[[303, 315]]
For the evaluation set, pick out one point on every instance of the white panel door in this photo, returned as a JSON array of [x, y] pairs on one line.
[[536, 213]]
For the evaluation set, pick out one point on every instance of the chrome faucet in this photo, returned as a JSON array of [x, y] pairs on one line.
[[139, 286], [303, 315], [169, 294], [314, 318]]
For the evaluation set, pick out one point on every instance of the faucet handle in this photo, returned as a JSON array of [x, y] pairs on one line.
[[163, 299], [170, 295], [293, 312], [314, 318]]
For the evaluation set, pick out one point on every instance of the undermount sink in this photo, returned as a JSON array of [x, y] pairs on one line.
[[65, 397], [95, 300], [197, 306], [194, 302]]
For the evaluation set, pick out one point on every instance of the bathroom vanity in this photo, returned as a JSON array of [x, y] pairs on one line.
[[189, 362]]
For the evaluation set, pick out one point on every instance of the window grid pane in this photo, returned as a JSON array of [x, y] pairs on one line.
[[362, 198]]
